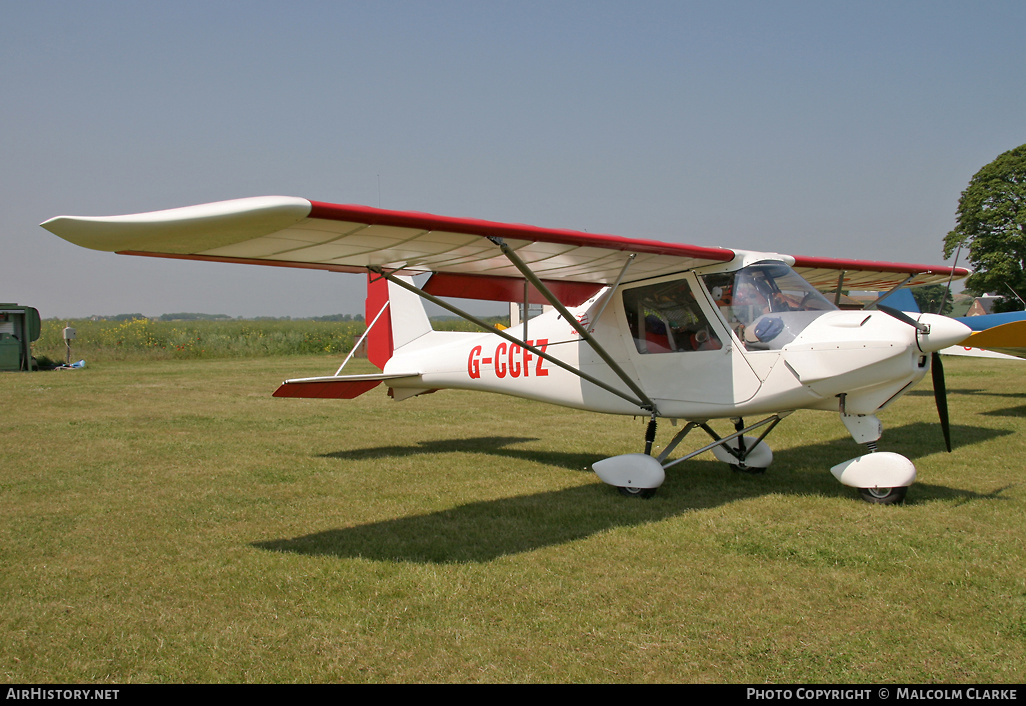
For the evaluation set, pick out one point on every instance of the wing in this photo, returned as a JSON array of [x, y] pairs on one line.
[[825, 273], [294, 232]]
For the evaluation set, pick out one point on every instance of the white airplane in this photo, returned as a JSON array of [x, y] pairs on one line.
[[1000, 336], [996, 336], [637, 327]]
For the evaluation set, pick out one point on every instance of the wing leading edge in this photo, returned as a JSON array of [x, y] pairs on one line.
[[294, 232]]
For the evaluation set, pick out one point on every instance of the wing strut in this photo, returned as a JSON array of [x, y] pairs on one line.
[[641, 400], [608, 297], [572, 320], [875, 304], [837, 294], [947, 290]]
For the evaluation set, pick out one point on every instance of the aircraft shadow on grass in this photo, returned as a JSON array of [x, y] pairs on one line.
[[483, 531], [969, 391], [1018, 411], [492, 445]]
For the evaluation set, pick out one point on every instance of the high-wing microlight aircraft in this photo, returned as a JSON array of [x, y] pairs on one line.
[[636, 327]]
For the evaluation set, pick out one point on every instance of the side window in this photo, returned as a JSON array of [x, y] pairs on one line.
[[665, 318]]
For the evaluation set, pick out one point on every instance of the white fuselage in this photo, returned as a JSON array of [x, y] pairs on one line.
[[854, 361]]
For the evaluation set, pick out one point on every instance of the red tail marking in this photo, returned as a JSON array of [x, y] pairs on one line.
[[379, 340]]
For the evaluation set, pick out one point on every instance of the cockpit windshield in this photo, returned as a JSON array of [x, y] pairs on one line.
[[766, 304]]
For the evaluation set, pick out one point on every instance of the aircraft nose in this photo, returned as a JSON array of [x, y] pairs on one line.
[[944, 332]]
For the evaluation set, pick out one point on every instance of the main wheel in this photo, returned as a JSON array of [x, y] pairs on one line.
[[884, 496], [637, 492]]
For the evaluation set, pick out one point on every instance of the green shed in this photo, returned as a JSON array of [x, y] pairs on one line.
[[19, 327]]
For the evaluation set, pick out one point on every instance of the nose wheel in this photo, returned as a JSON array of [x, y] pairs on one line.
[[883, 496], [643, 493]]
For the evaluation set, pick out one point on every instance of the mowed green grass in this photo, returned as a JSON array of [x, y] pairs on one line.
[[170, 521]]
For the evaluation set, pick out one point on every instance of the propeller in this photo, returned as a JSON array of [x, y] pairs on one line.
[[940, 396], [940, 392], [904, 318]]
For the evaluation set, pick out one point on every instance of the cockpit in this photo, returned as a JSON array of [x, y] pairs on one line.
[[766, 304]]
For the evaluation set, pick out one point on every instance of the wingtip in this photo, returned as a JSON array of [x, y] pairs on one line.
[[187, 229]]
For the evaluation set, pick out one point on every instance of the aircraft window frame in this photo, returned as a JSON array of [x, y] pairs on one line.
[[674, 319]]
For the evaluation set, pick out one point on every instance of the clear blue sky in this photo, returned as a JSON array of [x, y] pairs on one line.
[[817, 128]]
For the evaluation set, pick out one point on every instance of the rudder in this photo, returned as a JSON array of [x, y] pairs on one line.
[[400, 315]]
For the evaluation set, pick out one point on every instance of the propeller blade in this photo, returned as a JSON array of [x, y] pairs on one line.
[[940, 395], [900, 316]]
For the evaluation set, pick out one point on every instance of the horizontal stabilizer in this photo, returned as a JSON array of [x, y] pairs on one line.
[[339, 387]]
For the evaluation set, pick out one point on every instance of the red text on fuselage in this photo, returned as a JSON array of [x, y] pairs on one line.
[[509, 360]]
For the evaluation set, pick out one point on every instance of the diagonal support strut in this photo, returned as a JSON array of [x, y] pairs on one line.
[[584, 333], [640, 401]]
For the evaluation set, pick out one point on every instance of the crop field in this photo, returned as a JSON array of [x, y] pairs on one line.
[[167, 520], [152, 339]]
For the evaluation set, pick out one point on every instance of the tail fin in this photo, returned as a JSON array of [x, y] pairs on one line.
[[379, 338], [400, 315]]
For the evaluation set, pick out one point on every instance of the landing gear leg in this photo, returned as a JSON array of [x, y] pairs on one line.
[[745, 454], [638, 475], [650, 434]]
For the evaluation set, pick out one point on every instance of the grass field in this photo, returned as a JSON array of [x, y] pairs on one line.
[[170, 521]]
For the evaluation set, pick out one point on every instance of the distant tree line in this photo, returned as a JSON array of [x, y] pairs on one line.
[[187, 316]]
